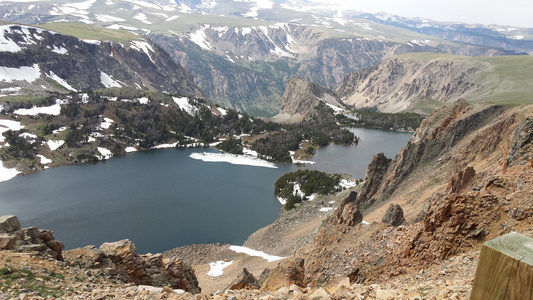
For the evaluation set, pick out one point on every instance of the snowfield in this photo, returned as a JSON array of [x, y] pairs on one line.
[[47, 110], [251, 252], [217, 267], [29, 74]]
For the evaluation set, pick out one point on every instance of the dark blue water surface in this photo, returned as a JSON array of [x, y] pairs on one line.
[[164, 199]]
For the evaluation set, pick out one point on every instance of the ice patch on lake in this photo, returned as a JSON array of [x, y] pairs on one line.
[[217, 267], [233, 159], [54, 110], [7, 173], [30, 74], [251, 252], [44, 160], [54, 145]]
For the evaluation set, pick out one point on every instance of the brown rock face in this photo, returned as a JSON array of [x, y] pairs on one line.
[[28, 239], [120, 259], [348, 212], [461, 180], [287, 273], [245, 280]]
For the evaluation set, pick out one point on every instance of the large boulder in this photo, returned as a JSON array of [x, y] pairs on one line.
[[394, 215], [244, 281], [9, 224]]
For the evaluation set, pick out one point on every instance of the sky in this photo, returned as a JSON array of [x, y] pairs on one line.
[[517, 13]]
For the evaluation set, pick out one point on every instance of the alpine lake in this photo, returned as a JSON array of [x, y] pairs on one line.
[[163, 199]]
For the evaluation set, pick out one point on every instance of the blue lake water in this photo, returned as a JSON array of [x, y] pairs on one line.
[[164, 199]]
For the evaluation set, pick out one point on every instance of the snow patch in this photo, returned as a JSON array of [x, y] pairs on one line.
[[233, 159], [54, 110], [107, 81], [172, 18], [222, 111], [130, 149], [217, 267], [144, 47], [60, 50], [143, 100], [61, 81], [44, 160], [184, 105], [6, 125], [108, 18], [142, 17], [7, 173], [251, 252], [324, 209], [30, 74], [54, 145], [200, 38], [106, 123], [106, 153], [347, 184]]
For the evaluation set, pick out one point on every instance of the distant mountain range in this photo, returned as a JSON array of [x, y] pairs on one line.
[[241, 53]]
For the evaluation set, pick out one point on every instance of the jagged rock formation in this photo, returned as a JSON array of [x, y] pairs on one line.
[[120, 259], [411, 82], [348, 212], [39, 61], [245, 280], [394, 215], [30, 239], [299, 99], [467, 171]]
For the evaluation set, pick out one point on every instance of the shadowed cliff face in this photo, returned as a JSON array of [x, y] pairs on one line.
[[62, 63]]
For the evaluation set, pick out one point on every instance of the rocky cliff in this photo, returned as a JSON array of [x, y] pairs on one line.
[[300, 98], [421, 82], [37, 61], [461, 180]]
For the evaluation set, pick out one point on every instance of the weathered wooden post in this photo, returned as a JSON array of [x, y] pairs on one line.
[[505, 269]]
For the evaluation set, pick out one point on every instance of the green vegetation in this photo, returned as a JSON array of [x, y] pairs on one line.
[[25, 281], [89, 32], [309, 182], [231, 146], [372, 118], [320, 129]]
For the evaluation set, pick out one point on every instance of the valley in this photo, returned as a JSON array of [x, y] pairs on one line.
[[254, 149]]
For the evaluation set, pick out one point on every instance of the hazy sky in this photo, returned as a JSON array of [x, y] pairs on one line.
[[501, 12]]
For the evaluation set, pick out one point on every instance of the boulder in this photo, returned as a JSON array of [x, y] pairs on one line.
[[9, 224], [123, 255], [7, 241], [394, 215], [245, 280], [181, 276]]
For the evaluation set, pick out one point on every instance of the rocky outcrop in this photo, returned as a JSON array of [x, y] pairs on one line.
[[287, 273], [64, 63], [120, 260], [245, 280], [299, 99], [522, 144], [347, 213], [394, 215], [412, 81], [30, 239], [375, 175]]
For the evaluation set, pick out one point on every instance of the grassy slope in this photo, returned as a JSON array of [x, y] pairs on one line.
[[89, 32], [508, 81]]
